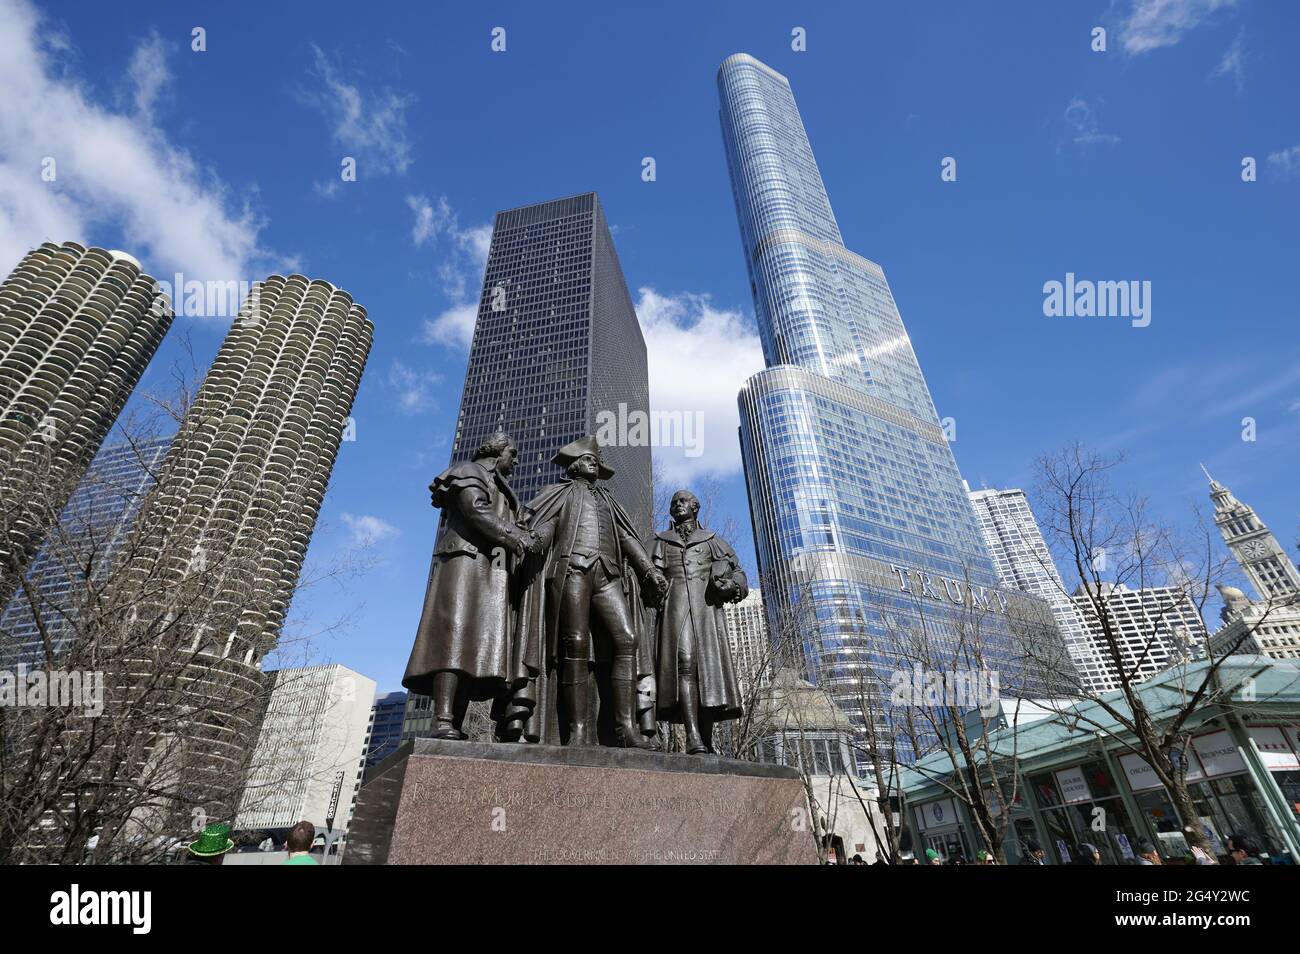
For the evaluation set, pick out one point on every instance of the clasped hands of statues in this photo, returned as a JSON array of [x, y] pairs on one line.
[[524, 543]]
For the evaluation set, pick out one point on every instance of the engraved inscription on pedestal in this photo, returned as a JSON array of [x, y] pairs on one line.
[[499, 804]]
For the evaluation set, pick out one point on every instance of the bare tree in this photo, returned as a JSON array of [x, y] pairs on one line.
[[944, 696], [742, 738], [1107, 538], [788, 718], [135, 618], [889, 734]]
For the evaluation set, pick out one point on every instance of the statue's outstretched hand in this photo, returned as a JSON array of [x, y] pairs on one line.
[[657, 584], [532, 542], [522, 542]]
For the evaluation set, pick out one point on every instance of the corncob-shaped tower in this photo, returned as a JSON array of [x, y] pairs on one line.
[[77, 327], [220, 543]]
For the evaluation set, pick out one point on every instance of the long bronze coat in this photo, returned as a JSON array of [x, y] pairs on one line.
[[691, 568], [537, 641], [468, 619]]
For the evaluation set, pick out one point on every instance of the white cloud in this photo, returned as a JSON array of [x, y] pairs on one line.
[[414, 388], [1233, 63], [476, 242], [115, 170], [1152, 24], [1085, 125], [453, 328], [369, 126], [460, 271], [1285, 162], [367, 530], [698, 356], [148, 73], [430, 222]]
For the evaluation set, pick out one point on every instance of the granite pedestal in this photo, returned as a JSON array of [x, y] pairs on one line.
[[439, 802]]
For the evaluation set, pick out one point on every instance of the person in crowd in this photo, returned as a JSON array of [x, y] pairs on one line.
[[301, 837], [1088, 854], [210, 847], [985, 857], [1147, 854], [1243, 851], [1033, 853], [932, 857]]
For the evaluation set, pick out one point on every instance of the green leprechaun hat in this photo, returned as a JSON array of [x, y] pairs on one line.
[[214, 841]]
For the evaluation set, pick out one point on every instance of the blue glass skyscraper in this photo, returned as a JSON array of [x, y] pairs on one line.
[[863, 528]]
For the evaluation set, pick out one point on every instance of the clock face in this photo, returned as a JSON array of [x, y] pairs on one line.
[[1255, 549]]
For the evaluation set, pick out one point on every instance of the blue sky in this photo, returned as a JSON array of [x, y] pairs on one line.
[[1116, 165]]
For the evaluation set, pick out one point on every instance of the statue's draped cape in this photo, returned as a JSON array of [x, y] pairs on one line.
[[468, 621], [535, 647]]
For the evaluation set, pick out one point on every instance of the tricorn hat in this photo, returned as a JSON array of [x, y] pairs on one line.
[[583, 445], [213, 841]]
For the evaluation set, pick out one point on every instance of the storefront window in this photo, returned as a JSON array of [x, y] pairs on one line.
[[1096, 815], [1060, 850], [1289, 782], [1099, 780], [951, 845], [1159, 810], [1236, 808], [1156, 805], [1045, 790], [1024, 833]]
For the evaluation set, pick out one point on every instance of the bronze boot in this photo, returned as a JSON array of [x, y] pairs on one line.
[[575, 685], [689, 701], [445, 724], [627, 732]]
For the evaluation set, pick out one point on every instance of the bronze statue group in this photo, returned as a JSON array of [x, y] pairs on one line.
[[556, 613]]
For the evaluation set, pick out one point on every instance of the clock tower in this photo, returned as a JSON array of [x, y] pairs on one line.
[[1261, 557]]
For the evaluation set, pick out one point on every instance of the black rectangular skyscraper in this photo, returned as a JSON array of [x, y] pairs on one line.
[[556, 343]]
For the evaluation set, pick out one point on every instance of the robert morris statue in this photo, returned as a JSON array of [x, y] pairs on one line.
[[464, 643], [583, 613], [694, 675]]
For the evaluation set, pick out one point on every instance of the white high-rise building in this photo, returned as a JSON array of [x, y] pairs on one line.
[[1256, 628], [1269, 626], [77, 327], [1154, 628], [221, 539], [1021, 557], [747, 637], [311, 750]]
